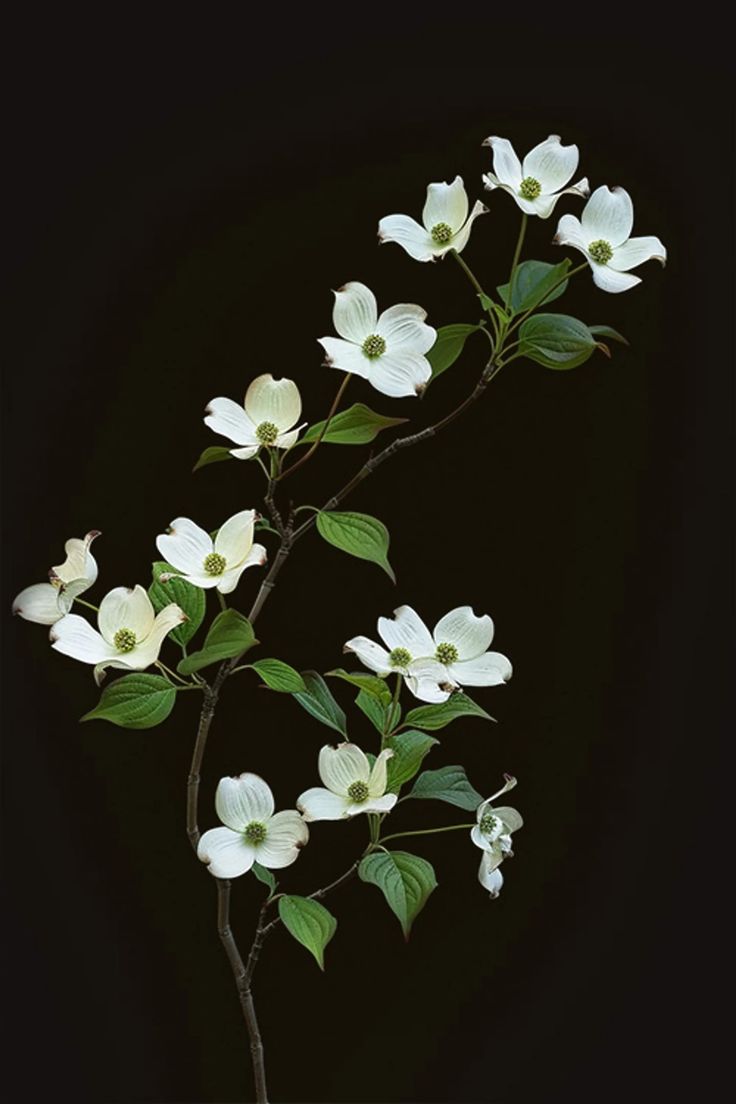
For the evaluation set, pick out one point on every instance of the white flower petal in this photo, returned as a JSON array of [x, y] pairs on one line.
[[238, 801], [404, 329], [230, 420], [551, 163], [146, 651], [490, 877], [608, 279], [406, 630], [340, 766], [320, 804], [479, 839], [407, 233], [378, 779], [381, 804], [79, 563], [245, 453], [506, 165], [286, 834], [286, 440], [446, 203], [39, 603], [234, 539], [471, 635], [570, 232], [370, 654], [429, 681], [124, 608], [228, 853], [636, 251], [490, 669], [460, 240], [355, 312], [345, 356], [544, 205], [400, 375], [75, 637], [511, 818], [185, 546], [608, 216], [227, 582], [273, 400]]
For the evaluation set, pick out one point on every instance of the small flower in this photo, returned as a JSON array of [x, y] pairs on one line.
[[271, 410], [602, 236], [446, 223], [492, 833], [353, 786], [130, 635], [388, 350], [206, 563], [46, 603], [252, 832], [538, 182]]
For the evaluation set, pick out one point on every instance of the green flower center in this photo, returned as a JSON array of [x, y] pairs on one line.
[[214, 564], [441, 233], [399, 657], [530, 188], [488, 824], [358, 791], [600, 251], [447, 653], [267, 433], [124, 640], [255, 832], [374, 346]]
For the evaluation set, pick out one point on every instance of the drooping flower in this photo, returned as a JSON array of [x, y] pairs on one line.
[[252, 832], [492, 833], [603, 237], [387, 350], [434, 665], [446, 223], [46, 603], [353, 786], [270, 411], [206, 563], [130, 635], [538, 182]]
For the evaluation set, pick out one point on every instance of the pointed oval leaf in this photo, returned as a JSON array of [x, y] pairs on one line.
[[190, 598], [409, 749], [310, 923], [357, 534], [405, 880], [320, 704], [230, 635], [449, 784], [263, 874], [534, 284], [135, 701], [448, 346], [432, 717], [609, 332], [213, 455], [279, 676], [383, 717], [372, 684], [355, 426], [556, 341]]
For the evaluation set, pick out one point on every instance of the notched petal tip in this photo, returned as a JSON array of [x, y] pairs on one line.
[[509, 779], [92, 535]]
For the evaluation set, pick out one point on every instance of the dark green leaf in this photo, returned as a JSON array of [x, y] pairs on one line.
[[609, 332], [230, 635], [448, 346], [279, 676], [448, 784], [357, 534], [135, 701], [384, 718], [556, 340], [320, 704], [263, 874], [432, 717], [409, 749], [213, 455], [405, 880], [372, 684], [310, 923], [533, 282], [190, 598], [355, 426]]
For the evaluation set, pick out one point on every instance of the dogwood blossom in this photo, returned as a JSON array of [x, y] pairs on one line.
[[252, 832], [538, 182], [603, 237], [446, 223], [387, 350], [492, 833], [130, 635], [207, 563], [270, 411], [45, 603], [352, 785]]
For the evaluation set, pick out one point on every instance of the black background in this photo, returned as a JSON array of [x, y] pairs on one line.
[[182, 200]]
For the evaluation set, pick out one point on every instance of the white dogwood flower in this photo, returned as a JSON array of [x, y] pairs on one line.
[[387, 350], [130, 635], [207, 563], [45, 603], [353, 786], [270, 411], [602, 236], [446, 223], [252, 832], [492, 833], [538, 182], [490, 876]]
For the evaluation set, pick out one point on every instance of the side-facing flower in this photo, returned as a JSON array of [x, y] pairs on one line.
[[207, 563], [492, 833], [602, 234], [409, 652], [538, 182], [387, 350], [352, 785], [252, 832], [130, 635], [45, 603], [268, 416], [446, 223]]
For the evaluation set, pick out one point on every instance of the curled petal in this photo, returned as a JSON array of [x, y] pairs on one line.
[[511, 818], [271, 400], [79, 564], [636, 251], [489, 876], [345, 356], [608, 279], [506, 165], [39, 603], [489, 669], [355, 313], [371, 655], [460, 240], [234, 539], [146, 652], [382, 804], [75, 637], [570, 232], [227, 853], [227, 582], [240, 800], [246, 453], [230, 420], [377, 781], [544, 205], [321, 804], [406, 232]]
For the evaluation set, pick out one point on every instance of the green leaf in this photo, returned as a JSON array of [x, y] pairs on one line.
[[405, 880], [310, 923], [357, 534], [432, 717], [556, 340], [213, 455], [230, 635], [372, 684], [609, 332], [383, 717], [135, 701], [532, 283], [355, 426], [320, 704], [409, 749], [448, 346], [189, 597], [448, 784], [263, 874], [279, 676]]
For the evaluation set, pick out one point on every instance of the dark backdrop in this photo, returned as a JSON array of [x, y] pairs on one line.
[[182, 204]]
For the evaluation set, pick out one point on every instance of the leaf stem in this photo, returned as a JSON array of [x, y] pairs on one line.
[[425, 832], [84, 602], [333, 409], [523, 317]]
